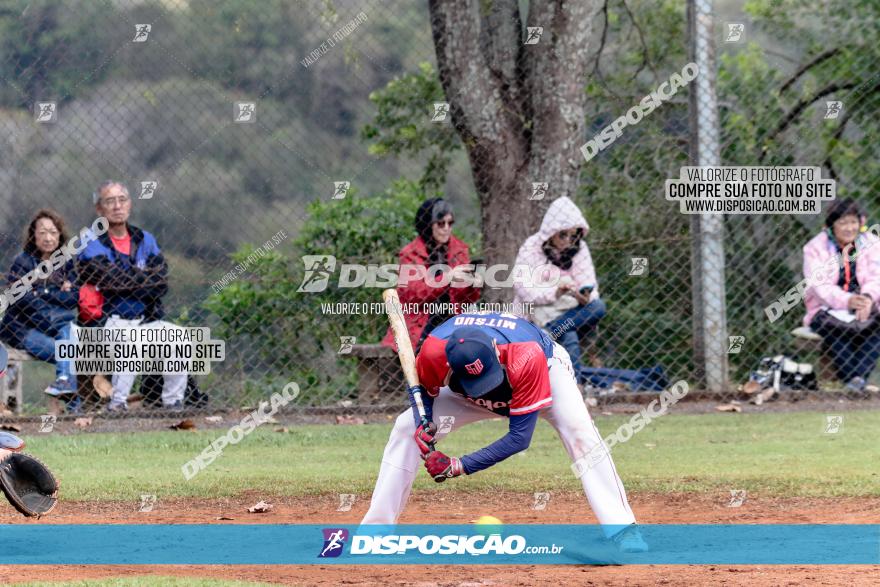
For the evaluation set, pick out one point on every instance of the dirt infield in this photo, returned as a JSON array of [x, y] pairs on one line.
[[459, 508]]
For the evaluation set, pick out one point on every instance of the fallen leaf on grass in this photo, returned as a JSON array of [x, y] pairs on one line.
[[184, 425], [11, 427], [213, 419], [729, 408], [650, 445], [83, 422], [345, 420], [261, 507], [764, 396], [282, 429], [751, 388]]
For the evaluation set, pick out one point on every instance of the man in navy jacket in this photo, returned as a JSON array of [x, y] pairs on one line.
[[126, 267]]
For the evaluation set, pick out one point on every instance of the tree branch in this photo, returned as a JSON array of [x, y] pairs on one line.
[[800, 107], [500, 39], [646, 59], [597, 71], [841, 128], [468, 82], [807, 66], [557, 69], [596, 68]]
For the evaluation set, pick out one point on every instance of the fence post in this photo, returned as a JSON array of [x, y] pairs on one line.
[[707, 244]]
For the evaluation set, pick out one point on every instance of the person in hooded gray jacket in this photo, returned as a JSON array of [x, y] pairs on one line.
[[566, 303]]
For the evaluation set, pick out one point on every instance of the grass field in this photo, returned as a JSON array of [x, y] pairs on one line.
[[776, 454], [782, 456]]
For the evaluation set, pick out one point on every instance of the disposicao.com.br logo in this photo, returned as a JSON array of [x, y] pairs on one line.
[[334, 542], [450, 544], [320, 268]]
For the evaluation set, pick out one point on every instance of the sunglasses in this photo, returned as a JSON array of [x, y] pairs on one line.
[[445, 223]]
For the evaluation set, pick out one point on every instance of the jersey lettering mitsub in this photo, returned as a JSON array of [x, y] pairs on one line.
[[523, 348]]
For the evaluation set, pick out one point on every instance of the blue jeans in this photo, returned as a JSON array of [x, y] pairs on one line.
[[854, 355], [575, 325], [42, 347]]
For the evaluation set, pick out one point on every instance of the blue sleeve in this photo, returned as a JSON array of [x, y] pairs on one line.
[[427, 401], [517, 439], [19, 269], [65, 299], [152, 245]]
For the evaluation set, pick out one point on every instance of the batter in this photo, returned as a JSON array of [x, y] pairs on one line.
[[484, 365]]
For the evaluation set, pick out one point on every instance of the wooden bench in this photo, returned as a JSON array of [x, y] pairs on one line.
[[94, 388], [379, 373], [11, 386]]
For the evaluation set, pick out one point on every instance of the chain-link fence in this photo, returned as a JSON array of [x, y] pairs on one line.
[[274, 160]]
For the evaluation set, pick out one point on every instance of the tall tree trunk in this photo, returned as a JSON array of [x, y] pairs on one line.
[[518, 108]]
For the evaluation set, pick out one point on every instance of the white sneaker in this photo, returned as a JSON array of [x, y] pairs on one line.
[[116, 407]]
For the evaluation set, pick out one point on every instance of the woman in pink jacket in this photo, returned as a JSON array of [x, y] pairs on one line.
[[842, 267], [568, 307]]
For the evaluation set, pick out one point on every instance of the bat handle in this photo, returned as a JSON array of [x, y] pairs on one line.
[[420, 406], [424, 422]]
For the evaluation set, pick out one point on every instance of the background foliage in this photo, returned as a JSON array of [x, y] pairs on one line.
[[162, 110]]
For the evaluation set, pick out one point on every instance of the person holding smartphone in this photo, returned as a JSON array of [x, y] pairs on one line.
[[565, 303]]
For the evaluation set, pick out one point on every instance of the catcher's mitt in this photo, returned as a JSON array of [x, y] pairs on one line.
[[28, 484]]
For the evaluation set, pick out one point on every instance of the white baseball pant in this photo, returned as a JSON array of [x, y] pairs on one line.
[[568, 414], [174, 384]]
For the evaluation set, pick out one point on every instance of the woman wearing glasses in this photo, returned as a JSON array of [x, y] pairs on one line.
[[568, 307], [444, 287], [44, 314]]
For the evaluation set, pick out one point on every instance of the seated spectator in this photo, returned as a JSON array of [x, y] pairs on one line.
[[570, 308], [842, 265], [126, 270], [434, 245], [46, 311]]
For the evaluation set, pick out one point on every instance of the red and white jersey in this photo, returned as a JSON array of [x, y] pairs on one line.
[[523, 349]]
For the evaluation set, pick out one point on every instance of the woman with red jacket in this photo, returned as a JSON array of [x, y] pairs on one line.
[[434, 246]]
